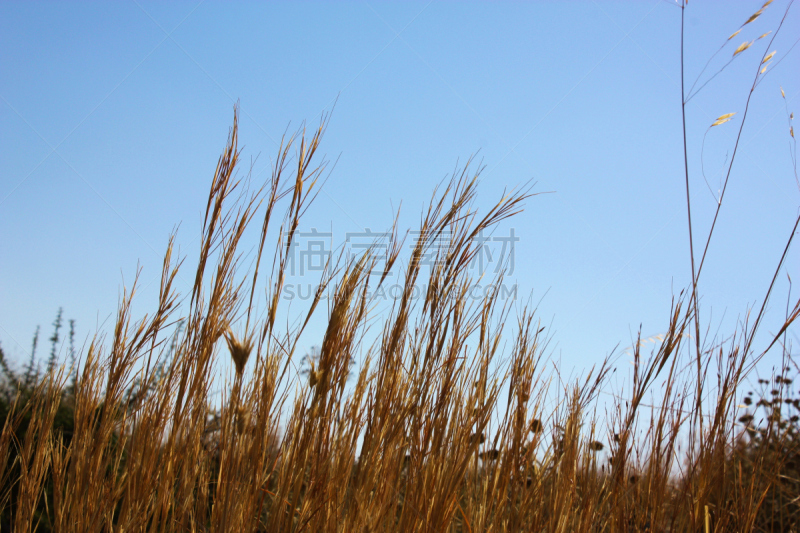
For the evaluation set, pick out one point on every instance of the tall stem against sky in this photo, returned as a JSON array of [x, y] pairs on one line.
[[691, 240]]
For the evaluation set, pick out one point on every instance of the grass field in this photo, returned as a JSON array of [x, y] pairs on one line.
[[439, 430]]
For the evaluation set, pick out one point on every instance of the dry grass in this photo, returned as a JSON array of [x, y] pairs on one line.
[[441, 430], [435, 434]]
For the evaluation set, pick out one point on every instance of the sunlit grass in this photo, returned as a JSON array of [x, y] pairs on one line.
[[447, 425]]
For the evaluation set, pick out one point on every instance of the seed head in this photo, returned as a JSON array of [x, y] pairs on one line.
[[596, 446], [242, 419], [240, 350], [536, 426]]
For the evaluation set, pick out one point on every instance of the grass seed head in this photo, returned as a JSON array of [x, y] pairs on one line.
[[316, 376], [242, 419], [240, 350]]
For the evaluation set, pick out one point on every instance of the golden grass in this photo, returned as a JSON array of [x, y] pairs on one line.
[[443, 430], [436, 434]]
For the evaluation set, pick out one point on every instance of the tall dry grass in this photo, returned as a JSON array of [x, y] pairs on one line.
[[435, 434], [441, 430]]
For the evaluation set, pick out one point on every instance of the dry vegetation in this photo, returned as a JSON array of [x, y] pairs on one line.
[[439, 429]]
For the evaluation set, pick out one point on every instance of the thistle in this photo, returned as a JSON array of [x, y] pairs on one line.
[[476, 438], [491, 455]]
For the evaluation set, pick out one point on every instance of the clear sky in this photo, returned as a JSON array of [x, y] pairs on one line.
[[113, 115]]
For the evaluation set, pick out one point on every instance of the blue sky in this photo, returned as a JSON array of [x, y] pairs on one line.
[[113, 116]]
